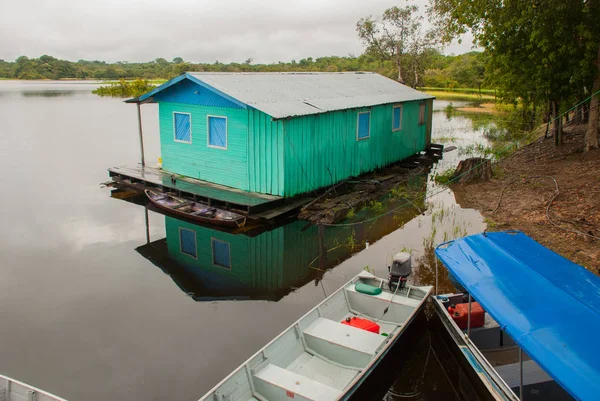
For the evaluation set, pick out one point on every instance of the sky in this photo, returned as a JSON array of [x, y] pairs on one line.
[[267, 31]]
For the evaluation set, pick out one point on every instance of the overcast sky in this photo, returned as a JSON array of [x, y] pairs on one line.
[[196, 30]]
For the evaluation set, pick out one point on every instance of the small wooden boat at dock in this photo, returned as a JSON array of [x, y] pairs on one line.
[[328, 353], [196, 211]]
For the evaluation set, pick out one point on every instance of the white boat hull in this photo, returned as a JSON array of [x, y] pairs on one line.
[[319, 358]]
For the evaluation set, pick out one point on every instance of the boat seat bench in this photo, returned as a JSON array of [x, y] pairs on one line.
[[275, 383], [341, 343]]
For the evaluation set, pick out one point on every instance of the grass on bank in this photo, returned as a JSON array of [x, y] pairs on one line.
[[458, 90], [472, 97]]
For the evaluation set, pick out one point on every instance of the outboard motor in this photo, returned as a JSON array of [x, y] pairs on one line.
[[399, 270]]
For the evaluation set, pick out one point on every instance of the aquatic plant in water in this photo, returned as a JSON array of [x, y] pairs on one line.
[[125, 88]]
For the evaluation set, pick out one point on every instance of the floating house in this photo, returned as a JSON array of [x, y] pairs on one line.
[[285, 134]]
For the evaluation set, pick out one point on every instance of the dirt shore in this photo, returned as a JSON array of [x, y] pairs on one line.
[[518, 195]]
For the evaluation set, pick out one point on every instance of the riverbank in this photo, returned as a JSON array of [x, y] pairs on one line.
[[518, 196]]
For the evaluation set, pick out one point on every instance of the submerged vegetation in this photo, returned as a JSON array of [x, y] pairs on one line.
[[445, 177], [125, 88]]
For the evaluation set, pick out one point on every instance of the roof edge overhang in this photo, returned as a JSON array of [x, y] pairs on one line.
[[287, 117], [149, 96]]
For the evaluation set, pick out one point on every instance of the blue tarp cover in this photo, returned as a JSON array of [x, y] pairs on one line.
[[549, 305]]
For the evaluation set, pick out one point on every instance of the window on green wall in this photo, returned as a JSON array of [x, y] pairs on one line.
[[221, 253], [397, 118], [363, 125], [187, 242], [182, 125], [217, 132]]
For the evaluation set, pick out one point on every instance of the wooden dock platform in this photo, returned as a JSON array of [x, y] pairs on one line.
[[213, 194]]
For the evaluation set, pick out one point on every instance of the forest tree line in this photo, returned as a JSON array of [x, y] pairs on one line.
[[439, 70]]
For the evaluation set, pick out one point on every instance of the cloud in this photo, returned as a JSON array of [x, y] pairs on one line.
[[198, 31]]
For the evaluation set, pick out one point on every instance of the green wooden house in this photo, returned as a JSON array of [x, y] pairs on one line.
[[287, 133]]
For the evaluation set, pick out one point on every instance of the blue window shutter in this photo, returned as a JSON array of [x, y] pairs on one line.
[[221, 253], [183, 127], [364, 120], [187, 239], [397, 118], [217, 132]]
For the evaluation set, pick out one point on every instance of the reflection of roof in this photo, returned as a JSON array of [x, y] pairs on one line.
[[289, 94], [549, 305], [204, 285]]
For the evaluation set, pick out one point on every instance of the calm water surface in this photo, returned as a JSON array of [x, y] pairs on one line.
[[93, 306]]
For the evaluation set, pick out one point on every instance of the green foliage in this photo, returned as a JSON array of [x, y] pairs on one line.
[[445, 177], [376, 206], [537, 51], [445, 139], [399, 192], [455, 95], [396, 36], [450, 110], [458, 90], [351, 240], [161, 69], [124, 88]]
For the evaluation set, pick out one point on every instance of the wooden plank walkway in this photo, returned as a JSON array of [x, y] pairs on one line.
[[151, 176]]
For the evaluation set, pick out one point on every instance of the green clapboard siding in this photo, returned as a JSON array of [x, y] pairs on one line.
[[270, 262], [322, 149], [265, 154], [256, 262], [238, 247], [227, 167]]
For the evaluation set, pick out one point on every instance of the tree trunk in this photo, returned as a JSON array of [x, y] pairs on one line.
[[416, 78], [557, 124], [399, 66], [591, 135], [474, 168], [548, 120]]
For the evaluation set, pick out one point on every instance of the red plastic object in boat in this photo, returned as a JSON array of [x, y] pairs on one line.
[[364, 324], [461, 311]]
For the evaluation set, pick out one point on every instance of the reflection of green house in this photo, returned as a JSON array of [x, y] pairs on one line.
[[211, 264], [287, 133]]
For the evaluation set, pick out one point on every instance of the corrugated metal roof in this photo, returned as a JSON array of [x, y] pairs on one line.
[[289, 94]]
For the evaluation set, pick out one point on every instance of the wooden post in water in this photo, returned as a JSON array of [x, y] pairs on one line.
[[139, 114], [146, 219]]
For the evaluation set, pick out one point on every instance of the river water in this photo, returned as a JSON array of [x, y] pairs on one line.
[[95, 306]]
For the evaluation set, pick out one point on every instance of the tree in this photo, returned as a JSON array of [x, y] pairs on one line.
[[392, 35], [177, 60], [542, 52]]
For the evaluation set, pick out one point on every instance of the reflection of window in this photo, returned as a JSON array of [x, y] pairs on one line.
[[217, 132], [422, 113], [221, 253], [183, 127], [363, 125], [187, 242], [397, 118]]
